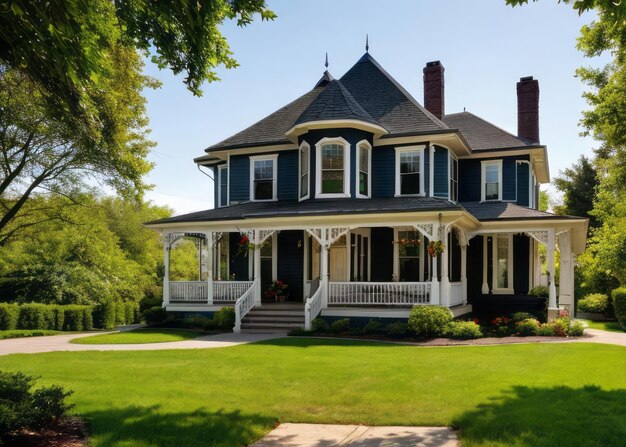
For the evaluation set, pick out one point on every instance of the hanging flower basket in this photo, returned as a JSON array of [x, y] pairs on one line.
[[435, 248], [245, 245], [407, 242]]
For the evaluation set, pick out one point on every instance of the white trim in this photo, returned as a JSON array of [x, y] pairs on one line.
[[318, 167], [304, 147], [483, 170], [404, 149], [302, 128], [494, 271], [368, 147], [221, 168], [274, 159]]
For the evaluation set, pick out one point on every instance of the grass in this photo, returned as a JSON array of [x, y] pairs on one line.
[[611, 326], [517, 395], [19, 333], [149, 335]]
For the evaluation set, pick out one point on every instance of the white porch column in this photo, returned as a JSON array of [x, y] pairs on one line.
[[444, 295], [324, 276], [566, 277], [464, 272], [550, 260], [434, 283], [257, 266], [166, 269], [485, 288], [210, 266]]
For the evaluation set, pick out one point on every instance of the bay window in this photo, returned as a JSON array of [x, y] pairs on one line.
[[304, 171], [363, 168], [333, 168]]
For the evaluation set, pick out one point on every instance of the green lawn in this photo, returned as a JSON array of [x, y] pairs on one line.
[[611, 326], [147, 335], [20, 333], [517, 395]]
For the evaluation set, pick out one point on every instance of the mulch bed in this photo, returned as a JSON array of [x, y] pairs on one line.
[[68, 432]]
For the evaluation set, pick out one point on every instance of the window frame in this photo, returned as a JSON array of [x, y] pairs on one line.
[[483, 177], [318, 168], [396, 254], [304, 147], [404, 149], [494, 274], [363, 144], [274, 159], [220, 169], [451, 161]]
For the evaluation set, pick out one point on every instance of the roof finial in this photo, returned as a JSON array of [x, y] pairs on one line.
[[326, 63], [367, 43]]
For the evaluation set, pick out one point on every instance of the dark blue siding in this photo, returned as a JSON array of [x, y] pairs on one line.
[[215, 180], [522, 184], [239, 178], [509, 179], [287, 175], [382, 254], [441, 172], [521, 257], [290, 262], [383, 175], [238, 262], [469, 180]]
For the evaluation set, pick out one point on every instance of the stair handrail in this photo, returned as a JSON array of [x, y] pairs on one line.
[[244, 304], [313, 306]]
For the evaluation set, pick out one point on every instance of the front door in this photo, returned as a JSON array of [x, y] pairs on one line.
[[359, 255], [338, 257]]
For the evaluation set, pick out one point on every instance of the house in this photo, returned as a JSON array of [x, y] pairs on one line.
[[344, 192]]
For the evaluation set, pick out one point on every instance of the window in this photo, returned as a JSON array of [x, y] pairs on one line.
[[409, 167], [263, 178], [491, 180], [408, 255], [222, 186], [454, 178], [304, 171], [503, 262], [333, 168], [363, 167]]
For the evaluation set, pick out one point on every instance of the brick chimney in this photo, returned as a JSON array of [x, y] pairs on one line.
[[528, 109], [434, 98]]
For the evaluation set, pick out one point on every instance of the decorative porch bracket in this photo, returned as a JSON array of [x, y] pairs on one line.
[[539, 236], [427, 230]]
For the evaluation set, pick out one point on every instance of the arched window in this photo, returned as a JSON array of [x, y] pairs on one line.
[[333, 168]]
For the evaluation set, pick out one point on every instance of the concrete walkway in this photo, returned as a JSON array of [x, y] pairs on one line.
[[599, 336], [324, 435], [54, 343]]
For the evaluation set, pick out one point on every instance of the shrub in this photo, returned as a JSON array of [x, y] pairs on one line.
[[35, 316], [58, 315], [104, 314], [197, 322], [527, 327], [595, 303], [340, 326], [397, 329], [429, 321], [120, 314], [75, 318], [153, 297], [546, 330], [521, 316], [130, 312], [576, 329], [539, 292], [319, 325], [561, 326], [224, 318], [373, 327], [619, 305], [154, 315], [22, 408], [8, 316], [464, 330]]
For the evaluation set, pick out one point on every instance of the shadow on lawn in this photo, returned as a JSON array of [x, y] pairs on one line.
[[147, 426], [558, 416]]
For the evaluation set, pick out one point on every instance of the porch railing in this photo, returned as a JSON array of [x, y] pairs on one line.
[[192, 291], [383, 293], [313, 305], [456, 293], [230, 290], [246, 302]]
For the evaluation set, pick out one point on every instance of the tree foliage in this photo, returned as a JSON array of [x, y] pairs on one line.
[[578, 184]]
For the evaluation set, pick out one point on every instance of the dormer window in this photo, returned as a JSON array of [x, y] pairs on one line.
[[363, 169], [333, 168], [304, 171], [409, 169], [263, 178], [491, 180]]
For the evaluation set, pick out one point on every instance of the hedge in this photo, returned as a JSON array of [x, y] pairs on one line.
[[8, 316], [109, 314], [619, 304]]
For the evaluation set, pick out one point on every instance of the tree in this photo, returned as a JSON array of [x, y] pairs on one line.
[[64, 46], [39, 153], [578, 185]]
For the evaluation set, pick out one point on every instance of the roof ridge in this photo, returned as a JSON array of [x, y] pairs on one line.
[[368, 57]]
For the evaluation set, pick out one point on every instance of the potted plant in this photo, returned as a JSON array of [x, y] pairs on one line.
[[279, 290]]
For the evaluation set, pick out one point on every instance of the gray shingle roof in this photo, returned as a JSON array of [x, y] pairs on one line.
[[481, 134], [334, 102], [506, 210], [314, 207]]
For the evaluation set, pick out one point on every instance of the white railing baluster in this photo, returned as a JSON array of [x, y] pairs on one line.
[[374, 293], [245, 303], [313, 306]]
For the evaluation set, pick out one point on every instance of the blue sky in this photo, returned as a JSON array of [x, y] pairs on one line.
[[485, 47]]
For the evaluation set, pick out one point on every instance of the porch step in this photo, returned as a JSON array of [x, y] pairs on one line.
[[274, 317]]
